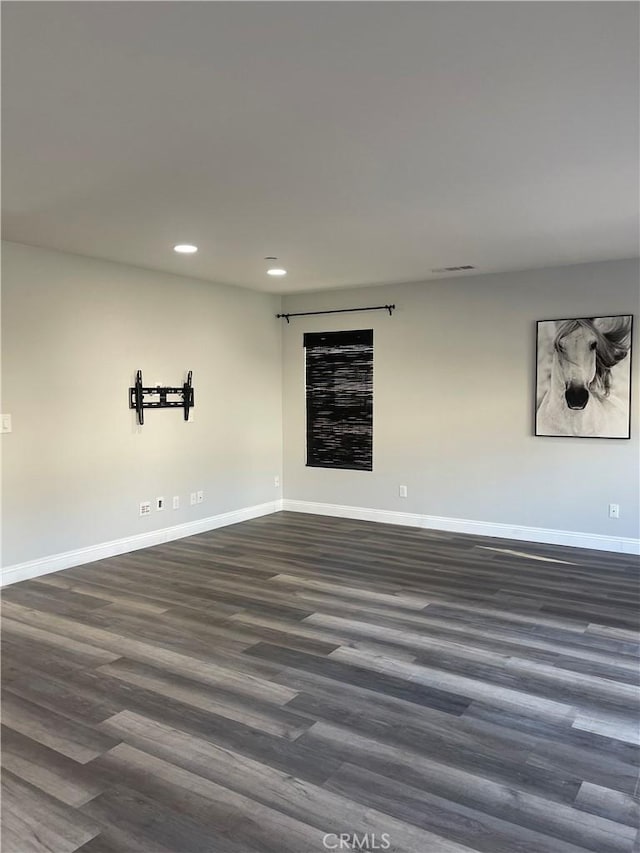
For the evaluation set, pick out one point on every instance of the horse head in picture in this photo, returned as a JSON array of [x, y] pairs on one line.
[[584, 352], [585, 356]]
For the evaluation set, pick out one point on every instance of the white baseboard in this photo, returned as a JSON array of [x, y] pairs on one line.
[[384, 516], [68, 559], [619, 544], [56, 562]]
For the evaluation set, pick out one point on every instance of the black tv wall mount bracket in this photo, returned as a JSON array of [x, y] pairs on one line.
[[139, 397]]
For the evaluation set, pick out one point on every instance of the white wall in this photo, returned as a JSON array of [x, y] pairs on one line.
[[454, 376], [76, 465], [453, 403]]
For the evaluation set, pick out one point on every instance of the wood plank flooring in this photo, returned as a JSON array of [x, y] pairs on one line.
[[270, 686]]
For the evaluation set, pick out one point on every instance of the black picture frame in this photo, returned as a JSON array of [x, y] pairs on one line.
[[569, 401]]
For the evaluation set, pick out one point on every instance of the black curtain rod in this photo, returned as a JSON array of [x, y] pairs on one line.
[[389, 308]]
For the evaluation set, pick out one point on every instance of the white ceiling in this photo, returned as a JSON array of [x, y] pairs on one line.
[[359, 142]]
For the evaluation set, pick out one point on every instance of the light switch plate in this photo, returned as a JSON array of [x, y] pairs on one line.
[[6, 423]]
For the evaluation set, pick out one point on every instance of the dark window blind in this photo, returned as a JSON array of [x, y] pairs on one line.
[[339, 390]]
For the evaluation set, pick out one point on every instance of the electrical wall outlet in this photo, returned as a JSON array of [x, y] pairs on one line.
[[5, 421], [402, 491], [176, 501], [614, 510], [159, 504], [145, 508], [200, 496], [276, 481], [193, 499]]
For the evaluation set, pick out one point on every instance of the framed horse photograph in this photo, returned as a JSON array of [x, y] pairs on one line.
[[583, 377]]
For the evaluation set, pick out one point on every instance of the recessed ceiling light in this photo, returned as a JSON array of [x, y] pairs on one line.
[[185, 248], [276, 271]]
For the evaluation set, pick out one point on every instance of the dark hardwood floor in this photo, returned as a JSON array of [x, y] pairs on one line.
[[271, 685]]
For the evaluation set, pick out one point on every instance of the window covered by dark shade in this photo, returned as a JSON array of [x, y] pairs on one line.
[[339, 388]]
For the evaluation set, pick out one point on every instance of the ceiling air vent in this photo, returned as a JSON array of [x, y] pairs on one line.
[[454, 269]]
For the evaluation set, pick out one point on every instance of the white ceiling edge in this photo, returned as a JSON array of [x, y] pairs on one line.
[[433, 279]]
